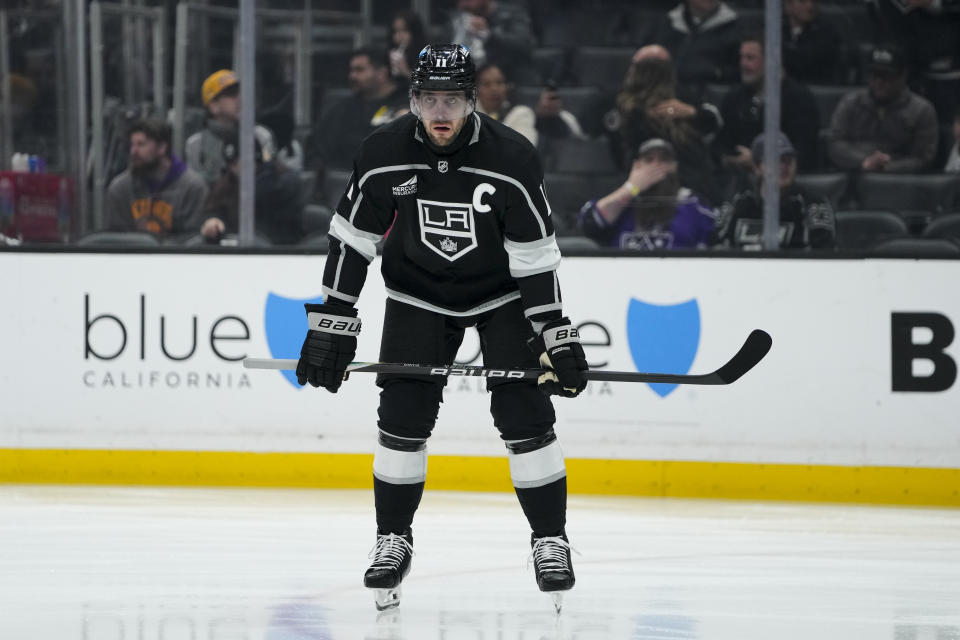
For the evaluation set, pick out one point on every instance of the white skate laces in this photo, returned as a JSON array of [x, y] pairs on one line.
[[389, 551], [550, 554]]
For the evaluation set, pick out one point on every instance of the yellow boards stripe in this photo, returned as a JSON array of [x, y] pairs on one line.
[[755, 481]]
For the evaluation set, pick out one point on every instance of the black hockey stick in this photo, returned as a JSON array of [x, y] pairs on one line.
[[753, 350]]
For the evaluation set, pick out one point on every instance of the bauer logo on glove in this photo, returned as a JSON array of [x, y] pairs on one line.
[[562, 355]]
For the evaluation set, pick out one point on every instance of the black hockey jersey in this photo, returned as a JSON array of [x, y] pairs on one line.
[[462, 233]]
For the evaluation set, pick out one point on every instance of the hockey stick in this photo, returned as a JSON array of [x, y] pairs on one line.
[[753, 350]]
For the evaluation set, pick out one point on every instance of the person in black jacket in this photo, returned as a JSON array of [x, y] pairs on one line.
[[811, 45], [278, 204], [471, 243], [701, 36], [742, 111], [806, 221]]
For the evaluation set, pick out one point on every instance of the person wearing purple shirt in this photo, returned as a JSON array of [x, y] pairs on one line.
[[650, 210]]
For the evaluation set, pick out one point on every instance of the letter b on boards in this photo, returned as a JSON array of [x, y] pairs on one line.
[[904, 351]]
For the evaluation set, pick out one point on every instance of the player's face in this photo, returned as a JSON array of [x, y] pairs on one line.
[[443, 114]]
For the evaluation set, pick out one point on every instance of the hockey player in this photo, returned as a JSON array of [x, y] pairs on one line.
[[470, 243]]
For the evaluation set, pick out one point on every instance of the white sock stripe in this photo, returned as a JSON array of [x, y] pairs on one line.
[[399, 467], [537, 468]]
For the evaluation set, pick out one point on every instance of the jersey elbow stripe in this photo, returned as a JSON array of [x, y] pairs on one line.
[[538, 216], [543, 308], [363, 242], [399, 467], [537, 468], [531, 258]]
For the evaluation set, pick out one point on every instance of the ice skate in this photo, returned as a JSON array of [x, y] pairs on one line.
[[552, 566], [391, 563]]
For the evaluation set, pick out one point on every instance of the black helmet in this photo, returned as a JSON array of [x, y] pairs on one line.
[[444, 67]]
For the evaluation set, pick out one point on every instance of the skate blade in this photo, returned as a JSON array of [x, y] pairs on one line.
[[557, 597], [386, 598]]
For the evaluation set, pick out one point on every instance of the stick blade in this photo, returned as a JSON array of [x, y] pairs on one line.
[[754, 349]]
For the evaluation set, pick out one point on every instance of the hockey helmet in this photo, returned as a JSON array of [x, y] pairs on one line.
[[444, 67]]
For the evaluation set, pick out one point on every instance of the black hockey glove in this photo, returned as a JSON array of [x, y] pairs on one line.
[[329, 347], [561, 354]]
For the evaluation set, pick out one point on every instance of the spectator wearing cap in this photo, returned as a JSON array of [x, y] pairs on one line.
[[278, 203], [375, 99], [157, 193], [885, 126], [204, 149], [806, 221], [651, 210], [742, 110], [701, 36]]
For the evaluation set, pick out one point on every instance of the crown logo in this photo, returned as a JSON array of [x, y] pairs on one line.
[[448, 245]]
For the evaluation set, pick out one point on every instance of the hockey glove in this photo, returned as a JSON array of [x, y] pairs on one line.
[[329, 347], [561, 354]]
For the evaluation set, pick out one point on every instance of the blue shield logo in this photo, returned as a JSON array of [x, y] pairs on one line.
[[663, 338], [285, 323]]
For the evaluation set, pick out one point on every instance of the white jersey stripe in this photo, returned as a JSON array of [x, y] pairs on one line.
[[362, 242], [420, 304], [531, 258], [516, 183]]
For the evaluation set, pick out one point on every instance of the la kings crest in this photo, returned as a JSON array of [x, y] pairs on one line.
[[448, 228]]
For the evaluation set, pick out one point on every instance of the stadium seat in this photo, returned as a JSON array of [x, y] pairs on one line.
[[568, 192], [118, 239], [832, 186], [947, 226], [715, 93], [576, 100], [575, 243], [577, 155], [316, 217], [590, 26], [603, 67], [334, 183], [827, 98], [918, 247], [935, 193], [308, 183], [864, 229], [318, 240]]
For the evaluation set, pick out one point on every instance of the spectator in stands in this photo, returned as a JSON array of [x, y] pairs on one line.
[[648, 107], [289, 150], [928, 31], [742, 111], [375, 99], [811, 45], [406, 36], [805, 221], [884, 127], [701, 36], [157, 193], [204, 149], [651, 210], [953, 158], [496, 33], [548, 119], [278, 203]]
